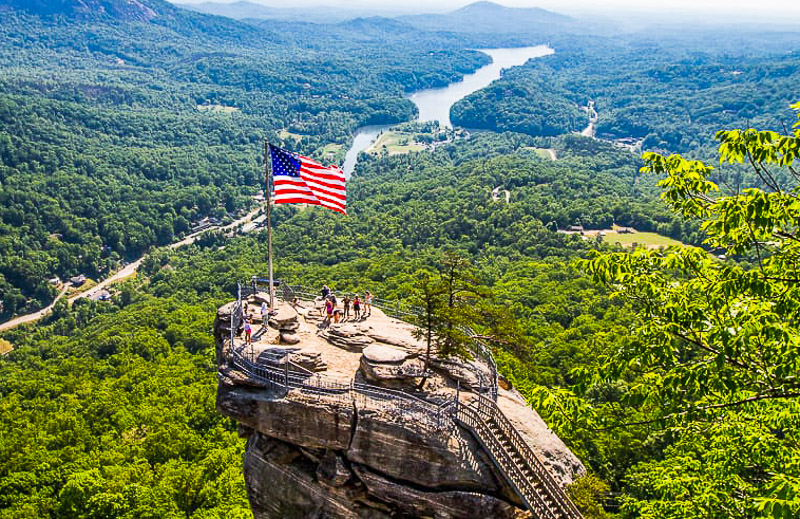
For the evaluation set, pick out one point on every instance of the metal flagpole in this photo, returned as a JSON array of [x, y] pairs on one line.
[[268, 194]]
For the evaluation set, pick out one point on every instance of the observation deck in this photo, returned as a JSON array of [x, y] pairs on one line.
[[375, 365]]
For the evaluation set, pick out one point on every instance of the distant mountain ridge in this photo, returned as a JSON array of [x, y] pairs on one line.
[[478, 17], [124, 10], [243, 9], [154, 12], [488, 17], [236, 10]]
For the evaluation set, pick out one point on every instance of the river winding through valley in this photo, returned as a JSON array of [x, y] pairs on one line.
[[434, 104]]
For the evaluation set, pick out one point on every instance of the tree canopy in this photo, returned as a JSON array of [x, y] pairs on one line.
[[714, 353]]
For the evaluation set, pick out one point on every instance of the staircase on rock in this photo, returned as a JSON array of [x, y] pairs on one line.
[[516, 461], [509, 452]]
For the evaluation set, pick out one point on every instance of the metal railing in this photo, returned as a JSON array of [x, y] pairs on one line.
[[510, 453], [402, 311], [394, 403]]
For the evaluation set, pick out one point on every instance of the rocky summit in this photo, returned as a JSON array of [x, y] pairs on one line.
[[343, 420]]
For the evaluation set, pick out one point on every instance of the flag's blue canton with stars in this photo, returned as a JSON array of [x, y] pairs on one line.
[[283, 163], [300, 180]]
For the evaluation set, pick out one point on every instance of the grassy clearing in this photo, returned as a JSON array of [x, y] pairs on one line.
[[217, 109], [5, 346], [286, 134], [395, 143], [650, 240], [89, 283], [632, 237], [545, 153], [332, 152]]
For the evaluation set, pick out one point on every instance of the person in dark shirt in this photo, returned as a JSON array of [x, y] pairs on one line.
[[346, 303]]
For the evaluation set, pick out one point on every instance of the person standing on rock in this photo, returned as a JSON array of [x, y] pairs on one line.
[[357, 307], [247, 331], [264, 314], [328, 310], [325, 291], [346, 303], [334, 303], [367, 303]]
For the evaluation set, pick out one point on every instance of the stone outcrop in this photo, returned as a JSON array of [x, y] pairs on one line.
[[391, 367], [471, 375], [307, 458], [353, 455], [286, 321], [350, 336]]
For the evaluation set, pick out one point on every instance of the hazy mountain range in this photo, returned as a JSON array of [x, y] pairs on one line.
[[248, 10], [479, 17], [130, 10]]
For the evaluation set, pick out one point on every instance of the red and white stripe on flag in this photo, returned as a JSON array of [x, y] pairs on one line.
[[300, 180]]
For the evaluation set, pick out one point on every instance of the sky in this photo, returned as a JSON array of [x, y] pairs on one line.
[[744, 10]]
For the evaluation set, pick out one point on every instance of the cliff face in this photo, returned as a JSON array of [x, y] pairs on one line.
[[355, 454]]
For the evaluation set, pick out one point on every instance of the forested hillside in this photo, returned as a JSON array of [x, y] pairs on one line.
[[671, 91], [118, 134], [154, 336]]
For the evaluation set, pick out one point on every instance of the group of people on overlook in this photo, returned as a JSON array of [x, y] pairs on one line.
[[362, 308]]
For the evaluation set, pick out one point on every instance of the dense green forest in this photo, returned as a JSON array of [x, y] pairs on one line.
[[105, 152], [107, 408], [155, 335], [157, 329], [671, 91]]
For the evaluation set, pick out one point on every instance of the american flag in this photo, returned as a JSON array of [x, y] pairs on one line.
[[300, 180]]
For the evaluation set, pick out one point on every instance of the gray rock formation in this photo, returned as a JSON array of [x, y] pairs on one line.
[[471, 375], [306, 459], [391, 367], [353, 455], [350, 336]]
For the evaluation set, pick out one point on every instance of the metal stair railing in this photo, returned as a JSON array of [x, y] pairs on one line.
[[402, 311], [502, 440], [433, 415], [510, 453]]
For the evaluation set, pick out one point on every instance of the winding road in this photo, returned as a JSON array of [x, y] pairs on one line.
[[589, 130], [125, 272]]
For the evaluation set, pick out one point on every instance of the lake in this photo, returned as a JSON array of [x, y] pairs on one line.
[[434, 103]]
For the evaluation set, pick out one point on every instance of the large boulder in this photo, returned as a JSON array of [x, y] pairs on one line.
[[378, 354], [391, 367], [290, 337], [348, 336], [285, 318], [471, 375], [310, 360]]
